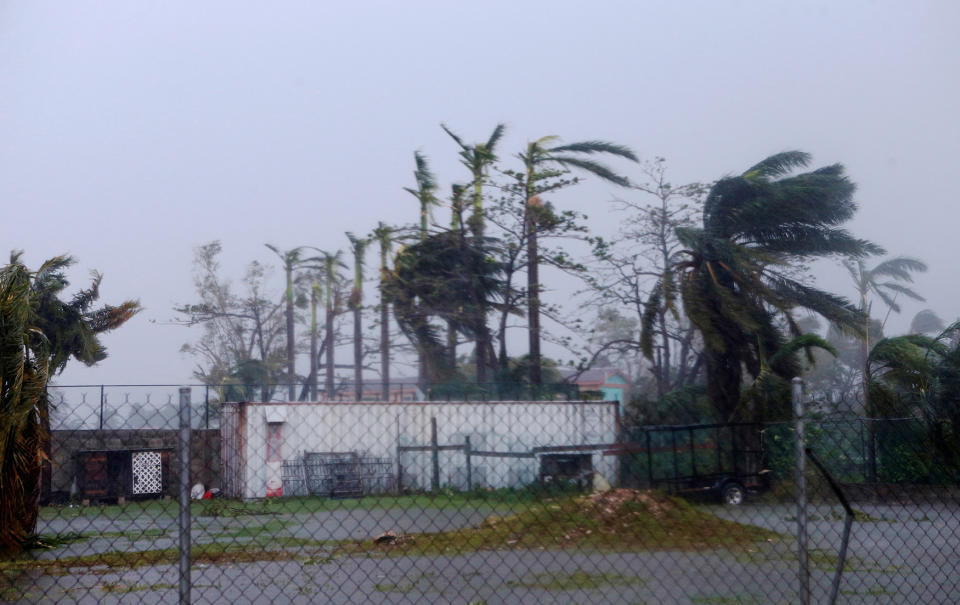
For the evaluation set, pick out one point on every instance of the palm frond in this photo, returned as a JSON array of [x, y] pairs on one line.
[[453, 136], [594, 168], [590, 147], [495, 137], [899, 268], [778, 165]]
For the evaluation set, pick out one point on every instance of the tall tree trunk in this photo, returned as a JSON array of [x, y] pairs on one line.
[[663, 372], [384, 348], [533, 298], [724, 375], [329, 386], [451, 344], [313, 342], [357, 353], [291, 370]]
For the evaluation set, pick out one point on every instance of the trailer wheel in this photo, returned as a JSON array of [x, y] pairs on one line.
[[732, 494]]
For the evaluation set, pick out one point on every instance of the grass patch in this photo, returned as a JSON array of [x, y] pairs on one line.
[[505, 500], [50, 541], [280, 549], [120, 588], [618, 520], [132, 534], [577, 580]]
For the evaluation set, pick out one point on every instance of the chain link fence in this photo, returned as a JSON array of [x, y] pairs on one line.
[[170, 495]]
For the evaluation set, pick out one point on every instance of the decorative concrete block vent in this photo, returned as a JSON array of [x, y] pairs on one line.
[[348, 449]]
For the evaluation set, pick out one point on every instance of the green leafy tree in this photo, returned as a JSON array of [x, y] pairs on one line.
[[734, 278], [238, 326], [39, 333], [918, 376], [445, 277]]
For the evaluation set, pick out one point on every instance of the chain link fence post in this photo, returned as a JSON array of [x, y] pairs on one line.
[[183, 451], [801, 484]]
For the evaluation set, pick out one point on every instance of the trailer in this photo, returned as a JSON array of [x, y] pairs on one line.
[[720, 461]]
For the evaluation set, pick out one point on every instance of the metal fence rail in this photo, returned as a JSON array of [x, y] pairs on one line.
[[490, 502]]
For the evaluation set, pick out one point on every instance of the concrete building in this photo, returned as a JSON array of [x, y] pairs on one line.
[[511, 444]]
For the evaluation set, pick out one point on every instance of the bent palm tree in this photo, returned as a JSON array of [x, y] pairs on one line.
[[867, 281], [425, 191], [39, 334], [477, 158], [543, 163], [734, 278]]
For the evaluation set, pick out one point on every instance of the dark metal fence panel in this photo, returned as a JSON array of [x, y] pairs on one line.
[[534, 502]]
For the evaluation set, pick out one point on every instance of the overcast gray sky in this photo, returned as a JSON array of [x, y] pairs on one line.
[[131, 132]]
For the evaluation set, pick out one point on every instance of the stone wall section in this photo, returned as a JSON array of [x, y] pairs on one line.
[[204, 459]]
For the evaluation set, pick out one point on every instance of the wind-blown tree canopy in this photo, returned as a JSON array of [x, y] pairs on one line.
[[445, 277], [919, 376], [734, 277], [425, 191], [886, 281], [39, 334], [477, 158]]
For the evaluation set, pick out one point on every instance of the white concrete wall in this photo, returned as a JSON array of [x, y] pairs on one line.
[[376, 429]]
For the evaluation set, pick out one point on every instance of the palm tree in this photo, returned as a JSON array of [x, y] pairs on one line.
[[447, 277], [425, 192], [292, 260], [384, 236], [919, 376], [23, 409], [544, 163], [478, 158], [39, 334], [315, 294], [359, 247], [734, 277], [895, 271], [331, 264]]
